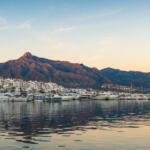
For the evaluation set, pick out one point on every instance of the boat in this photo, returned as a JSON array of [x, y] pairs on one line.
[[39, 97], [85, 96], [30, 97], [18, 99], [105, 96], [4, 98], [69, 96], [134, 96], [56, 98]]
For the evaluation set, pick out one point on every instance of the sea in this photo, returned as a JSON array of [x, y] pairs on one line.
[[75, 125]]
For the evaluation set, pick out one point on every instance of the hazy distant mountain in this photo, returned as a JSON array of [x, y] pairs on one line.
[[29, 67], [126, 78]]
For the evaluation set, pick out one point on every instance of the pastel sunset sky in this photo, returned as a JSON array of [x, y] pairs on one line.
[[100, 33]]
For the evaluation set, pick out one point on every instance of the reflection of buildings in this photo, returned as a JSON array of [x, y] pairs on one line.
[[34, 117]]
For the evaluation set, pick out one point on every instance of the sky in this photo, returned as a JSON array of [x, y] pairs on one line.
[[98, 33]]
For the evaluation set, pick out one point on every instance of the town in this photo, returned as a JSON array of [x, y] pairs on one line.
[[18, 90]]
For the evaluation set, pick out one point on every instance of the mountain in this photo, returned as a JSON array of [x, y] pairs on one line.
[[126, 78], [30, 67]]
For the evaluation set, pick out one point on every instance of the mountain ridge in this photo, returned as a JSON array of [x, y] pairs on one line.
[[30, 67]]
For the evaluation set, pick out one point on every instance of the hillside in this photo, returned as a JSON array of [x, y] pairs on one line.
[[30, 67]]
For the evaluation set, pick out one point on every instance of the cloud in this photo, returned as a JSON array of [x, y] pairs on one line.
[[106, 13], [63, 29], [4, 25], [24, 25], [110, 13], [3, 21]]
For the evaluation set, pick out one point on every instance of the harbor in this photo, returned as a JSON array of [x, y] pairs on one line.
[[73, 96], [74, 75], [15, 90]]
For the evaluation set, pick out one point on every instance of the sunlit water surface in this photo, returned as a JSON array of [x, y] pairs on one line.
[[75, 125]]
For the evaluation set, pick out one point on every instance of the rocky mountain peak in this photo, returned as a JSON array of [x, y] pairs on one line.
[[27, 55]]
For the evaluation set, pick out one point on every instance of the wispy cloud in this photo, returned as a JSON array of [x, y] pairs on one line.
[[110, 12], [4, 25], [24, 25], [105, 13], [3, 21], [63, 29]]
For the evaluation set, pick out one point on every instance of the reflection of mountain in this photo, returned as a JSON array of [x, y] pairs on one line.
[[33, 118]]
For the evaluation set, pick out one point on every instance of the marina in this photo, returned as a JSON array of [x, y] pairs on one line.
[[73, 96], [16, 90], [74, 75]]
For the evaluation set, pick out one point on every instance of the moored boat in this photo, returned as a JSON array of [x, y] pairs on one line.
[[105, 96], [56, 98], [70, 96]]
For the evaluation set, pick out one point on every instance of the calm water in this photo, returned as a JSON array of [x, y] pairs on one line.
[[75, 125]]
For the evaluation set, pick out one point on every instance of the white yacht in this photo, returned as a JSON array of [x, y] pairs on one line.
[[70, 96], [56, 98], [39, 97], [5, 96], [86, 96], [134, 96], [106, 96], [19, 99]]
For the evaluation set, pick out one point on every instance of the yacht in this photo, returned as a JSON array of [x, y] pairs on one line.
[[4, 97], [70, 96], [30, 97], [105, 96], [56, 98], [39, 97], [135, 96], [19, 99]]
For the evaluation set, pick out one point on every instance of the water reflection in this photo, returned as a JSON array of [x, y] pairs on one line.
[[36, 118], [34, 123]]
